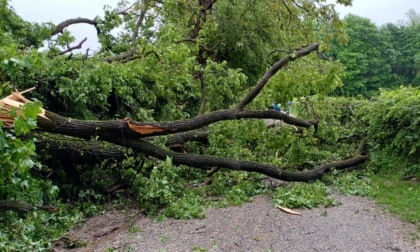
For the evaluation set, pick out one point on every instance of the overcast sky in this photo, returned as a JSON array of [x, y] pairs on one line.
[[381, 11], [378, 11]]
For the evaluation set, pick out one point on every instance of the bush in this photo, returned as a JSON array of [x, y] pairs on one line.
[[32, 231], [394, 121]]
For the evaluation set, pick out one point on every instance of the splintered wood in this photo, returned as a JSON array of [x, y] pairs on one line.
[[14, 100], [287, 210], [143, 129]]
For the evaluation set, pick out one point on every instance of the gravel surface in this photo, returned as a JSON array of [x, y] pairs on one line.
[[357, 224]]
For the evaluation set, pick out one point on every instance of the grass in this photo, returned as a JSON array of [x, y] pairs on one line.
[[399, 197]]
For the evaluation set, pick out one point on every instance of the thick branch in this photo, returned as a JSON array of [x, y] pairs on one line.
[[139, 22], [60, 27], [72, 150], [204, 162], [120, 134], [273, 70], [126, 128], [23, 207]]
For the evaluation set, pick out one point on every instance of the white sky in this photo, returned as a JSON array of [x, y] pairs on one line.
[[381, 12], [378, 11]]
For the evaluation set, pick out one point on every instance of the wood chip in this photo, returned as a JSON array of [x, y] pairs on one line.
[[289, 211]]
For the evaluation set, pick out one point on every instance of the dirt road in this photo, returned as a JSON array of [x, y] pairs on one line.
[[357, 224]]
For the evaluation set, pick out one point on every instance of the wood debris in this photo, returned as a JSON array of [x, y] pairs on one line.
[[289, 211]]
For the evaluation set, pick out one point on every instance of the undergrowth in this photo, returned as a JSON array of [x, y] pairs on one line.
[[20, 182], [308, 195], [350, 183], [35, 231]]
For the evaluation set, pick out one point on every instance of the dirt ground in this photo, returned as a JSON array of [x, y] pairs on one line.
[[357, 224]]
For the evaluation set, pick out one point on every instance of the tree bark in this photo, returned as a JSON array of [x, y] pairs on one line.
[[23, 207], [69, 49], [60, 27], [177, 141], [205, 162], [71, 150], [126, 128]]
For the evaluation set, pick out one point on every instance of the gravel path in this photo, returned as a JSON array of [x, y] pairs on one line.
[[355, 225]]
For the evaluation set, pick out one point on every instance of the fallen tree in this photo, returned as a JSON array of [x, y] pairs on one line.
[[131, 134]]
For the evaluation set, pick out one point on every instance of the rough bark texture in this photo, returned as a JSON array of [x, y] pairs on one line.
[[71, 150]]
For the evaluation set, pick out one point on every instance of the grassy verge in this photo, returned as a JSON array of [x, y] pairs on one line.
[[399, 197]]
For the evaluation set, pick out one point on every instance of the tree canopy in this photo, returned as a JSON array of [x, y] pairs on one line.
[[378, 57]]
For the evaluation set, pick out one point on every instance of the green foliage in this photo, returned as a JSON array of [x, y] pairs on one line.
[[189, 206], [162, 187], [378, 57], [169, 191], [363, 57], [297, 195], [14, 29], [295, 82], [283, 145], [242, 192], [17, 160], [228, 139], [394, 123], [36, 231], [164, 192], [240, 39], [19, 181], [245, 32], [405, 48], [351, 183]]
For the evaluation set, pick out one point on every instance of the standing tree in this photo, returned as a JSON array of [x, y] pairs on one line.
[[364, 57]]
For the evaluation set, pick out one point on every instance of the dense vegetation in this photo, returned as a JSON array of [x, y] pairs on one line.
[[379, 57], [353, 94]]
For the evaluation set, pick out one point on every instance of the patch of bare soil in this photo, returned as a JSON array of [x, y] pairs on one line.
[[357, 224]]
